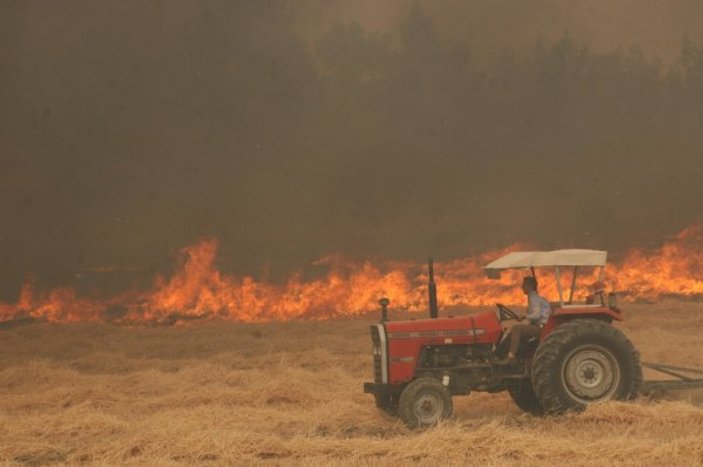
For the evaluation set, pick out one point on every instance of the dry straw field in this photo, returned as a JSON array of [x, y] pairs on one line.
[[290, 393]]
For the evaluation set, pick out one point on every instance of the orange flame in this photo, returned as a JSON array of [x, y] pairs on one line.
[[60, 305], [199, 291], [675, 269]]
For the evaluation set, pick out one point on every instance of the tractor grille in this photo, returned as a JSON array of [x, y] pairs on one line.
[[378, 352]]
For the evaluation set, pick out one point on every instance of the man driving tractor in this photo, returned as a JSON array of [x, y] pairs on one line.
[[538, 311]]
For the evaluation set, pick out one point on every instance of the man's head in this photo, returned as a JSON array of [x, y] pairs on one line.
[[529, 284]]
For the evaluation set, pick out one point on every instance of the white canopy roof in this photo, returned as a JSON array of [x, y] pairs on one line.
[[537, 259]]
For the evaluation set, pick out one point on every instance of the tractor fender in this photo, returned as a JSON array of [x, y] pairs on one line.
[[561, 315]]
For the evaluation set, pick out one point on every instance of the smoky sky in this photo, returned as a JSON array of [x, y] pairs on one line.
[[291, 130]]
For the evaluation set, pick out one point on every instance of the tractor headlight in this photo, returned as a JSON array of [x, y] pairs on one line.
[[376, 350]]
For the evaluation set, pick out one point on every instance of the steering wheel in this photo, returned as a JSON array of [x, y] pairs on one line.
[[506, 313]]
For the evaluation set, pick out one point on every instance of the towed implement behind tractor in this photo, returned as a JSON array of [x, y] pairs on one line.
[[578, 359]]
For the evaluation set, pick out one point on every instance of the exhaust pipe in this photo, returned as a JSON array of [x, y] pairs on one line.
[[432, 290], [384, 302]]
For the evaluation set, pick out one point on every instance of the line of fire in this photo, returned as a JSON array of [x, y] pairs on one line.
[[197, 291]]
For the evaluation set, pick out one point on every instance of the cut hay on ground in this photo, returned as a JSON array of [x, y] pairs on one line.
[[290, 393]]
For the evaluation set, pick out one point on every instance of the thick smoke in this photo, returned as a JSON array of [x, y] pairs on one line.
[[289, 131]]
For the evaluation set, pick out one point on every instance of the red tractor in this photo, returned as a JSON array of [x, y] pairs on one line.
[[578, 359]]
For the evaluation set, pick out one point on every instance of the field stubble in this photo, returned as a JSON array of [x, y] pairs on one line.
[[290, 393]]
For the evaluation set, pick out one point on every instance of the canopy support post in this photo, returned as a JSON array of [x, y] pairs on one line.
[[573, 285], [561, 295]]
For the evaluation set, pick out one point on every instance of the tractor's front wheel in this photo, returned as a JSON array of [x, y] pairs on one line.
[[582, 362], [424, 403]]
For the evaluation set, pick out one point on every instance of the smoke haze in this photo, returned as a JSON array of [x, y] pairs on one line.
[[489, 27], [291, 130]]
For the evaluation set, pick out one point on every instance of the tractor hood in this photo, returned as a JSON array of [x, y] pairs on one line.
[[478, 326], [406, 339]]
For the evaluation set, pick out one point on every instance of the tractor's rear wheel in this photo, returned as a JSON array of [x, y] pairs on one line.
[[424, 403], [388, 403], [582, 362], [524, 396]]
